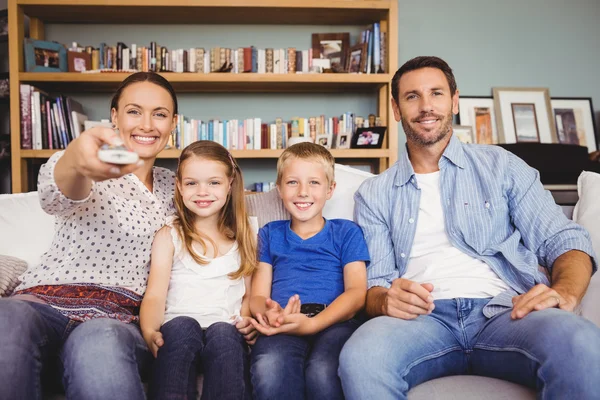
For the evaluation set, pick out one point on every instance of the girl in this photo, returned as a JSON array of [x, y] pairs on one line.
[[78, 308], [199, 282]]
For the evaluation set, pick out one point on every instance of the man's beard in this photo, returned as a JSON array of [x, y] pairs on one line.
[[413, 136]]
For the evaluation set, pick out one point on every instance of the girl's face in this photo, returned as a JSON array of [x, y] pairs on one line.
[[145, 118], [204, 187]]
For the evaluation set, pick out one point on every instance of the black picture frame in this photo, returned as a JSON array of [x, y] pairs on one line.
[[368, 138]]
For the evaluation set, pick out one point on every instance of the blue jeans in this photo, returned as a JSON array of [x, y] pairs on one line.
[[97, 359], [220, 352], [553, 351], [298, 367]]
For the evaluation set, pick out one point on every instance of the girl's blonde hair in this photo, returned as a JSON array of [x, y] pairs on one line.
[[233, 219]]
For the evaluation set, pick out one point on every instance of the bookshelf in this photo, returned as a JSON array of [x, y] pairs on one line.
[[239, 12]]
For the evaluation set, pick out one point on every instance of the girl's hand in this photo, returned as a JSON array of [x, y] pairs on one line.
[[154, 340], [247, 329], [82, 155], [292, 324]]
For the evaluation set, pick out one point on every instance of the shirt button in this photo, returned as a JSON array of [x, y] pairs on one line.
[[487, 205], [402, 255], [411, 220]]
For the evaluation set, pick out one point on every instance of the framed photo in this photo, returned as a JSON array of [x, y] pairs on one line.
[[524, 115], [464, 133], [3, 23], [357, 58], [574, 120], [324, 140], [342, 141], [371, 137], [332, 46], [478, 112], [79, 61], [42, 56]]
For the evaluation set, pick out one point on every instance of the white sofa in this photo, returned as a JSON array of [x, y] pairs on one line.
[[26, 232]]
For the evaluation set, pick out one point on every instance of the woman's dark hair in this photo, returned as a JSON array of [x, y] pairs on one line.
[[144, 77]]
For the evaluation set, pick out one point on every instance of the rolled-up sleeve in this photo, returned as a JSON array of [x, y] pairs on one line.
[[52, 200], [382, 270], [543, 226]]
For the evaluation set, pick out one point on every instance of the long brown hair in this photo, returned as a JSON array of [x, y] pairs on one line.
[[233, 219]]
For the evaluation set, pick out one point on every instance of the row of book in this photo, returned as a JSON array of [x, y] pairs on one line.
[[255, 134], [48, 122], [156, 58]]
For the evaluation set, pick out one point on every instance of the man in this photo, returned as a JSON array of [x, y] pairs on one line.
[[456, 233]]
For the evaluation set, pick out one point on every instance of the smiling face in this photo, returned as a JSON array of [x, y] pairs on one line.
[[145, 118], [204, 188], [426, 106], [304, 189]]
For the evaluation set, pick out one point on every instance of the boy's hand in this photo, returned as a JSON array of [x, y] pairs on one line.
[[274, 312], [292, 324], [247, 329], [154, 340]]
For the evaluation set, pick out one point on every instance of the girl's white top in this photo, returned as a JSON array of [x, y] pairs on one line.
[[203, 292]]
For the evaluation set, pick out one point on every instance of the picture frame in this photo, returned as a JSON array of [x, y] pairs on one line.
[[43, 56], [479, 113], [342, 141], [464, 133], [331, 46], [533, 121], [356, 58], [324, 140], [574, 120], [368, 138], [4, 23], [79, 61]]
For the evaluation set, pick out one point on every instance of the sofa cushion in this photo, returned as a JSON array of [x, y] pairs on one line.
[[467, 387], [10, 270], [587, 214], [26, 231]]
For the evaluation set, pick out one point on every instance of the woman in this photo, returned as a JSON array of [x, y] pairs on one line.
[[78, 310]]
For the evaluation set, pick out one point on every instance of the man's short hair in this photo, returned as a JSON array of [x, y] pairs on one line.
[[423, 62], [307, 151]]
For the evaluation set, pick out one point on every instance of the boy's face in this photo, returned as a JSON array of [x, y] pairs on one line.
[[304, 189]]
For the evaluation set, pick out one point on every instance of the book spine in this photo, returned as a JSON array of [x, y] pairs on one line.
[[26, 142]]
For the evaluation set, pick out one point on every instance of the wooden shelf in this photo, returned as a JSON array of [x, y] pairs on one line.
[[172, 153], [214, 82], [272, 12]]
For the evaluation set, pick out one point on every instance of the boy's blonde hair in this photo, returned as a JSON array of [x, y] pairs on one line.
[[308, 151]]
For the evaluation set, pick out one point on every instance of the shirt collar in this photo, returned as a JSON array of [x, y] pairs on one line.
[[454, 153]]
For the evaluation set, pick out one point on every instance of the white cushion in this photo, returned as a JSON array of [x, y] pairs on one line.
[[26, 231], [341, 204], [587, 214]]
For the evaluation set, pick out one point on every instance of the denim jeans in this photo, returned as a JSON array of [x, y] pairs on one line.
[[98, 359], [220, 352], [298, 367], [553, 351]]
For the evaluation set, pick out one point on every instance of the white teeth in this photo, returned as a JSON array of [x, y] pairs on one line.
[[303, 205], [146, 139]]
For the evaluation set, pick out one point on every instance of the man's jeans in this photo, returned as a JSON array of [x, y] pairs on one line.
[[286, 367], [553, 351], [220, 352], [98, 359]]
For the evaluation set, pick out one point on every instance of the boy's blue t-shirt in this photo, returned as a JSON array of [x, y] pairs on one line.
[[312, 268]]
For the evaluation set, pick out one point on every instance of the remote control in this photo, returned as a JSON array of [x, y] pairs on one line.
[[117, 155]]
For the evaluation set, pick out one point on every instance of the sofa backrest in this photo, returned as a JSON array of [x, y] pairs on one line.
[[26, 231]]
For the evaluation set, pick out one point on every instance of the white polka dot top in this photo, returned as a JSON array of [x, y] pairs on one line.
[[106, 238]]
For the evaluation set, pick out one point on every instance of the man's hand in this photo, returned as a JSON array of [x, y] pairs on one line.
[[154, 340], [541, 297], [292, 324], [246, 328], [407, 299]]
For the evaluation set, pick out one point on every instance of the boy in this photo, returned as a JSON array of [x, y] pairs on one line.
[[320, 266]]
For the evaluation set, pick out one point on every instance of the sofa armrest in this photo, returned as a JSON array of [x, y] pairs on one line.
[[10, 270]]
